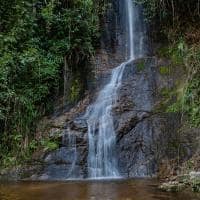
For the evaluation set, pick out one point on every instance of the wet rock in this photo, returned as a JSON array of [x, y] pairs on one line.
[[142, 133], [194, 175], [61, 172], [21, 172], [180, 182], [67, 162], [79, 125], [136, 157], [173, 186], [135, 126], [66, 155]]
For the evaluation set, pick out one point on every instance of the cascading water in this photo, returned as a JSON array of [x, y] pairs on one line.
[[69, 140], [102, 159]]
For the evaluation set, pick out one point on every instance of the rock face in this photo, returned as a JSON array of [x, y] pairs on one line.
[[142, 138], [138, 125], [134, 121], [70, 160]]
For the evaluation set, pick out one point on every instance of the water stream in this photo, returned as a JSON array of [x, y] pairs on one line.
[[69, 140], [102, 160]]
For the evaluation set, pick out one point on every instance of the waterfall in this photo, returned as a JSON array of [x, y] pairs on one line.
[[102, 158], [129, 7], [69, 140]]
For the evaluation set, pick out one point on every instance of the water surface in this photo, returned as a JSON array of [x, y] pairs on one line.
[[89, 190]]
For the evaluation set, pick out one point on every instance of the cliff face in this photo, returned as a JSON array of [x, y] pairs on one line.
[[144, 133]]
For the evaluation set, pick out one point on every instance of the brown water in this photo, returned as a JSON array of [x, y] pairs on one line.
[[83, 190]]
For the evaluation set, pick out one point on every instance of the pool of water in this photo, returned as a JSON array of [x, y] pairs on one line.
[[92, 190]]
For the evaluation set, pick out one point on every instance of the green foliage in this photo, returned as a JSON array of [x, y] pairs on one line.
[[150, 10], [196, 185], [164, 70], [190, 165], [140, 65], [175, 107], [8, 161], [35, 36], [75, 90], [48, 145], [191, 97], [189, 100], [166, 92], [176, 52], [163, 52], [170, 12]]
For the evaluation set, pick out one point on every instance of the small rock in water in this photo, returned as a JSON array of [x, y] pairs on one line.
[[172, 186], [44, 177], [194, 175]]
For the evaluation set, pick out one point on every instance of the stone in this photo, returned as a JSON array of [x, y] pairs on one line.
[[173, 186], [194, 175], [136, 128]]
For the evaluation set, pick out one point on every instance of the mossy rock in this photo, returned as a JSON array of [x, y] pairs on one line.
[[164, 70], [163, 52], [140, 65], [166, 92], [195, 181], [173, 186], [196, 185]]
